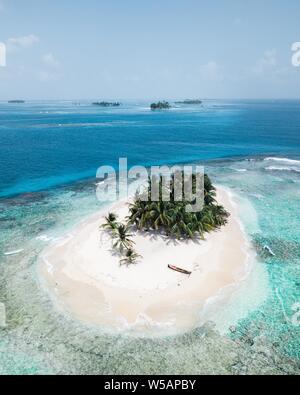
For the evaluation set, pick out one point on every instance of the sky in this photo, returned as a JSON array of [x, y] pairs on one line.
[[170, 49]]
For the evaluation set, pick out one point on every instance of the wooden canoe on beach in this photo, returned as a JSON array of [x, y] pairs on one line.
[[178, 269]]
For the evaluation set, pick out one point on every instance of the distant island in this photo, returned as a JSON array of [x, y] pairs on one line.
[[106, 104], [161, 105], [189, 101], [16, 101]]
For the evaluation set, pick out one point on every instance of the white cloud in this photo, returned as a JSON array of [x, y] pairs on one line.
[[14, 44], [211, 71], [266, 63], [49, 60]]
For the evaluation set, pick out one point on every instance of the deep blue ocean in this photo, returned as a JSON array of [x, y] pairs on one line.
[[49, 154], [44, 144]]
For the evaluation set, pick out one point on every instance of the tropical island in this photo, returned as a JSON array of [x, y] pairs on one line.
[[149, 260], [189, 101], [170, 218], [161, 105], [106, 104], [16, 101]]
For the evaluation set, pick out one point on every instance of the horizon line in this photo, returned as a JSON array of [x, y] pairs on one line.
[[152, 99]]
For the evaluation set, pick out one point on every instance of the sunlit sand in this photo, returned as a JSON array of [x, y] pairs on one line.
[[84, 277]]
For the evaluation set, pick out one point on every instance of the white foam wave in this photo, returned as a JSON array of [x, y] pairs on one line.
[[239, 170], [13, 252], [283, 168], [283, 160], [44, 238]]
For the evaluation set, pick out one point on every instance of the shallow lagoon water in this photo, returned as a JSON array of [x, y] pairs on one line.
[[258, 331]]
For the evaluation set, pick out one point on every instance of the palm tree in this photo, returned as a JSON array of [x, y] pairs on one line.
[[159, 215], [209, 191], [122, 237], [220, 215], [111, 222], [130, 257], [138, 213], [172, 216]]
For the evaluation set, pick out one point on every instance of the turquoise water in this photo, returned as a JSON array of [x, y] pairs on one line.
[[47, 186]]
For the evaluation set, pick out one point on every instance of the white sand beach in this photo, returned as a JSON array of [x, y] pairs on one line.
[[84, 276]]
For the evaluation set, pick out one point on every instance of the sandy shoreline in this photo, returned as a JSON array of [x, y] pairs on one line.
[[85, 278]]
